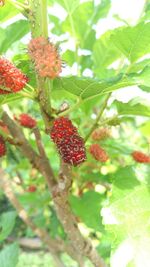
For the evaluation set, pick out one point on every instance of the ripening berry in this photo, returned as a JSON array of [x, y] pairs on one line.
[[32, 188], [98, 153], [140, 157], [2, 147], [45, 56], [4, 127], [26, 121], [12, 79], [69, 144], [100, 134]]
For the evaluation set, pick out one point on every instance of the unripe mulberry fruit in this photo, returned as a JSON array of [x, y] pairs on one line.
[[98, 153], [100, 134], [45, 56], [140, 157], [69, 144], [12, 79], [32, 188], [26, 121], [2, 147]]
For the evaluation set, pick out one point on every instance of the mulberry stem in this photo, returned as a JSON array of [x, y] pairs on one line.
[[98, 117]]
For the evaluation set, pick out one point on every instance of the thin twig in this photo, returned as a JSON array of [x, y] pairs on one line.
[[39, 142], [98, 117], [38, 162]]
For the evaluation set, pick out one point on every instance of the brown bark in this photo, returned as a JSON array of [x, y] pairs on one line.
[[60, 196]]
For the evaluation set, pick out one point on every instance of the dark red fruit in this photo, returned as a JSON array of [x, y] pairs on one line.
[[70, 145], [2, 147], [140, 157], [32, 188], [27, 121], [12, 79], [98, 153]]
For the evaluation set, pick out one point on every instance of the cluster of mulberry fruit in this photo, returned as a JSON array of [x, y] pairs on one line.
[[98, 153], [69, 144], [12, 79], [140, 157], [45, 56]]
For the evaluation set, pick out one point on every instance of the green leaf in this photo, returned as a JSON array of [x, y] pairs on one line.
[[7, 11], [127, 220], [139, 66], [9, 98], [7, 222], [2, 34], [56, 228], [35, 199], [133, 107], [104, 54], [88, 88], [13, 33], [133, 42], [143, 78], [101, 10], [145, 129], [9, 256], [79, 23], [80, 28], [124, 180], [69, 5], [69, 57], [87, 207]]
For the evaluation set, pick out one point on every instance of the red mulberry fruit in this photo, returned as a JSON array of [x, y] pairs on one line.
[[70, 145], [32, 188], [98, 153], [12, 79], [140, 157], [26, 121], [2, 147], [100, 134], [45, 56]]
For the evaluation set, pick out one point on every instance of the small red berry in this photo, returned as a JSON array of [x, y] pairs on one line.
[[70, 145], [45, 56], [2, 147], [27, 121], [140, 157], [12, 79], [100, 134], [32, 188], [98, 153]]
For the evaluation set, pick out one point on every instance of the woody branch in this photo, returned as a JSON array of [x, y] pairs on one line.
[[59, 191]]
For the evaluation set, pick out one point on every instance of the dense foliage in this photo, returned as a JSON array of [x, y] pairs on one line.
[[110, 189]]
